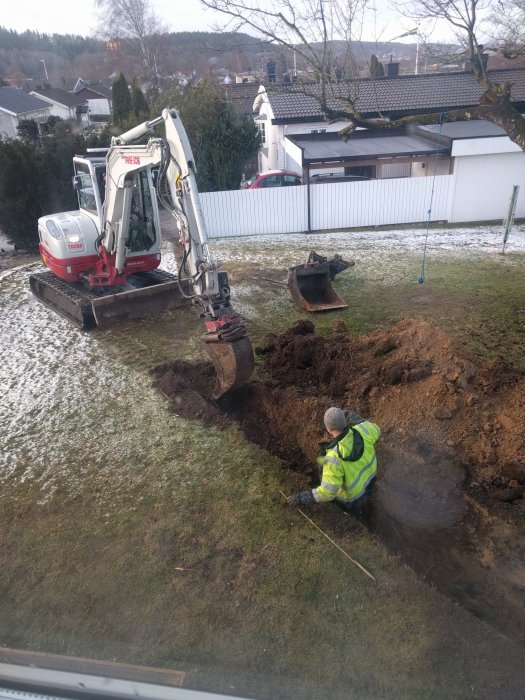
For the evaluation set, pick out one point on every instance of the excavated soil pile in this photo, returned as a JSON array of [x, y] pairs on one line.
[[452, 454]]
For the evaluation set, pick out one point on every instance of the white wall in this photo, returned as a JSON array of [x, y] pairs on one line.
[[486, 146], [479, 189], [483, 186], [394, 170], [379, 202], [8, 125], [293, 158], [57, 110]]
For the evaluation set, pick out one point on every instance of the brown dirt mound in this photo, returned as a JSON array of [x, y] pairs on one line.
[[416, 381], [426, 391], [189, 388], [451, 458]]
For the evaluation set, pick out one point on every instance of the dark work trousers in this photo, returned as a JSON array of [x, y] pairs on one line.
[[359, 507]]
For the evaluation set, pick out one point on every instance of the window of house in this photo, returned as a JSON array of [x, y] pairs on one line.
[[262, 131], [318, 131], [361, 170]]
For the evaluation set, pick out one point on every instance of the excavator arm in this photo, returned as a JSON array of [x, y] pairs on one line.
[[225, 335]]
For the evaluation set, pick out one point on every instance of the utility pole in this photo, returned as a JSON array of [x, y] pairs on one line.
[[45, 69]]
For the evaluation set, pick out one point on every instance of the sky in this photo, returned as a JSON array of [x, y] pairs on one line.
[[59, 16]]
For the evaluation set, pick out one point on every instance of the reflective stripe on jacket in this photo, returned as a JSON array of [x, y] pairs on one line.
[[346, 475]]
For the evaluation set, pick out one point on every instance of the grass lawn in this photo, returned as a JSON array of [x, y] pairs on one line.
[[131, 534]]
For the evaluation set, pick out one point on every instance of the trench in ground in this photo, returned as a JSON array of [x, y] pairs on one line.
[[445, 503]]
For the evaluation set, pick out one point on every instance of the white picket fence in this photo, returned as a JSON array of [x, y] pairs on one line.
[[479, 189], [332, 206]]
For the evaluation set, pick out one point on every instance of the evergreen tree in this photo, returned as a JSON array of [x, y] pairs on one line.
[[231, 140], [221, 139], [377, 70], [139, 106], [35, 179], [28, 130], [121, 98], [23, 192]]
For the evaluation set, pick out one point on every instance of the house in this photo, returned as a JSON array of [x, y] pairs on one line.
[[65, 105], [98, 102], [287, 111], [16, 106]]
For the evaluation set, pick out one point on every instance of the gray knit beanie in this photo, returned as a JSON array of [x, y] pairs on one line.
[[335, 419]]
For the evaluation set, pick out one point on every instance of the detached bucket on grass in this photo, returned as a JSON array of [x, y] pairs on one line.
[[310, 283]]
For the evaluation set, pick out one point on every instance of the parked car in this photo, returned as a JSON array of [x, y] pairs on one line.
[[272, 178], [337, 177]]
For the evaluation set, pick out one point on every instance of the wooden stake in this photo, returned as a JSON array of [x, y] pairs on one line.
[[359, 566]]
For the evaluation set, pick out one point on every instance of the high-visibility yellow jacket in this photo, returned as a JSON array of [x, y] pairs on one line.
[[349, 464]]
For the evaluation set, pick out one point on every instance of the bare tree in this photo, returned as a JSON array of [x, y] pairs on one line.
[[136, 21], [471, 22], [507, 30], [309, 27]]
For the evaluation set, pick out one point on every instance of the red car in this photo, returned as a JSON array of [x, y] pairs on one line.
[[272, 178]]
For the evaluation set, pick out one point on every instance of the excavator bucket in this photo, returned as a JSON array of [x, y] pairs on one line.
[[233, 362], [310, 284]]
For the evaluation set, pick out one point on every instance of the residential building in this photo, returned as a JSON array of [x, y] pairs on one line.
[[98, 102], [66, 105], [16, 106], [287, 111]]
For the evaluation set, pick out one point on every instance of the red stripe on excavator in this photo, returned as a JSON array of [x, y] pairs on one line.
[[70, 269]]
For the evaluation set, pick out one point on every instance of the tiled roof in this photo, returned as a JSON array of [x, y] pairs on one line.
[[89, 94], [17, 101], [101, 89], [68, 99], [406, 94], [241, 95]]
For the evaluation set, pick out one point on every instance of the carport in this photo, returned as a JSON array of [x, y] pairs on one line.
[[376, 154]]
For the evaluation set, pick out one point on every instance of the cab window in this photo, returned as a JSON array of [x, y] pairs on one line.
[[85, 189]]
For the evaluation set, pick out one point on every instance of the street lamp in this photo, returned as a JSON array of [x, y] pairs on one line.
[[42, 61], [411, 33]]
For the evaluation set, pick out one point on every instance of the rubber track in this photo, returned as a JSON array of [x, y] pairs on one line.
[[73, 301]]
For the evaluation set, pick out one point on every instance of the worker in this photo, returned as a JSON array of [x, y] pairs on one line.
[[348, 462]]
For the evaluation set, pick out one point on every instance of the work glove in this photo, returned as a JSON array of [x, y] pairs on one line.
[[303, 498]]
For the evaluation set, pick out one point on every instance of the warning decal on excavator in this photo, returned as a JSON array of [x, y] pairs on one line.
[[132, 160]]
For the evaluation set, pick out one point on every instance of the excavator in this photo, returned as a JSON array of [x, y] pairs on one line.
[[103, 260]]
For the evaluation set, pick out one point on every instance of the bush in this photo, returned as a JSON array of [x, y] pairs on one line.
[[36, 179], [23, 192]]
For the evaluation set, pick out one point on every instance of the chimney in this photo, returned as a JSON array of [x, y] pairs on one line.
[[392, 69], [271, 71]]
